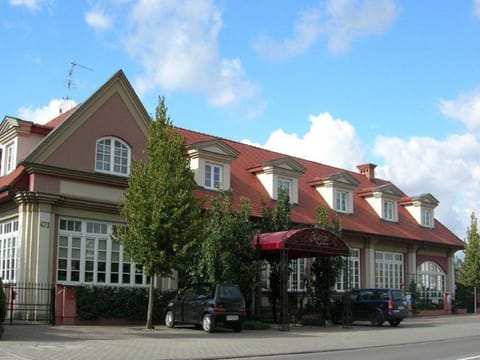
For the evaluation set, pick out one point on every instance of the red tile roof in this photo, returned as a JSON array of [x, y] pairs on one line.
[[364, 219]]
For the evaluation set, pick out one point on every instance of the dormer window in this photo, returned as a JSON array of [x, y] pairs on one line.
[[384, 200], [279, 173], [285, 184], [210, 162], [422, 209], [389, 210], [213, 176], [427, 217], [112, 156], [337, 191], [341, 201]]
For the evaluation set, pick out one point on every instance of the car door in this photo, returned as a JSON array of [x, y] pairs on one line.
[[363, 304], [188, 303], [201, 302]]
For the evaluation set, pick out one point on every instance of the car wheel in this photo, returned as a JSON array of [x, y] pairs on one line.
[[169, 319], [207, 323], [394, 322], [376, 319]]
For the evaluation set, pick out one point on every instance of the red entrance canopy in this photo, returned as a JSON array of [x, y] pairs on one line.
[[298, 243]]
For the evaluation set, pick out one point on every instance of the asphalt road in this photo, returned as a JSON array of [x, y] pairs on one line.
[[465, 348], [445, 337]]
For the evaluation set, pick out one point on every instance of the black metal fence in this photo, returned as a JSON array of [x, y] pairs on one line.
[[30, 303]]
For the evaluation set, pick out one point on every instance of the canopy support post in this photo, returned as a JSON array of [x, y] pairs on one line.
[[284, 272]]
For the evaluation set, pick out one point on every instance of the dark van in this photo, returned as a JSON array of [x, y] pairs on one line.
[[208, 306], [375, 305]]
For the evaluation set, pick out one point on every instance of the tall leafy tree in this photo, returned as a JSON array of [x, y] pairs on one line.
[[226, 253], [159, 206], [469, 273], [325, 269], [276, 219]]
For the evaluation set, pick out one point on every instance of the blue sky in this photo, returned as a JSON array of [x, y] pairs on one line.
[[341, 82]]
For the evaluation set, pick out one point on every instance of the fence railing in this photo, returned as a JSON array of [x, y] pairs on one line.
[[30, 303]]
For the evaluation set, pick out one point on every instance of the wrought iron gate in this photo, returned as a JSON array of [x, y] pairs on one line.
[[30, 303]]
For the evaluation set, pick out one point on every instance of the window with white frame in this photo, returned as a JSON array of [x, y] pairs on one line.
[[213, 176], [427, 217], [431, 281], [353, 275], [341, 201], [87, 255], [8, 250], [285, 184], [389, 210], [9, 160], [389, 270], [112, 156], [296, 280]]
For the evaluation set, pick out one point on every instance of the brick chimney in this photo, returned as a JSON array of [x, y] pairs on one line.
[[368, 170]]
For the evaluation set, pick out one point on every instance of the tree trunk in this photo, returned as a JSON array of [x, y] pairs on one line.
[[149, 324], [474, 299]]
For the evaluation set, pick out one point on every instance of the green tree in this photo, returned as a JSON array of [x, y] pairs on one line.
[[226, 252], [325, 269], [159, 206], [276, 219], [469, 273]]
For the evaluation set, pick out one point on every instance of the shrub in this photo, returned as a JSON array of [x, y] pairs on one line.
[[107, 302]]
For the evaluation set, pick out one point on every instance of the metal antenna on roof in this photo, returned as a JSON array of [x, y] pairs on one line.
[[67, 98], [73, 64]]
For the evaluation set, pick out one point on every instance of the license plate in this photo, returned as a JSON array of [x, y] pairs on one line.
[[401, 308], [232, 317]]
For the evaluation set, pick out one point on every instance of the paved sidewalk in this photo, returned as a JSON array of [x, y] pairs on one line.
[[109, 342]]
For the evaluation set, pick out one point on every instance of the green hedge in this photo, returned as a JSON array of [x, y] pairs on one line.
[[107, 302]]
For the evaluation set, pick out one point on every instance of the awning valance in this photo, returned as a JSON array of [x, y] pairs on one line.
[[298, 243]]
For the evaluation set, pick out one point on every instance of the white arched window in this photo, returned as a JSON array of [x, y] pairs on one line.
[[431, 281], [112, 156]]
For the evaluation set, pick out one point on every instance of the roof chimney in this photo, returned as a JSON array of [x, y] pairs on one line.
[[368, 170]]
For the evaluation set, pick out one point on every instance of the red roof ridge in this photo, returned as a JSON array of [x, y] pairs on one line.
[[53, 123]]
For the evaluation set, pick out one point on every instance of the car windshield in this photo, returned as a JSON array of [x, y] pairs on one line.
[[229, 292]]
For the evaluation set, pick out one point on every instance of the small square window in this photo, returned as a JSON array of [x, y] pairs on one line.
[[285, 184], [213, 176], [389, 210], [341, 201], [427, 218]]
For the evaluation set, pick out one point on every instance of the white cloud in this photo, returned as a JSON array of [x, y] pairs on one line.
[[33, 5], [448, 169], [45, 114], [306, 31], [329, 141], [176, 41], [351, 19], [97, 19], [465, 108], [476, 8], [339, 21]]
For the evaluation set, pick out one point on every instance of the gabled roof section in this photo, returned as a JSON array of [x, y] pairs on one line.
[[214, 148], [66, 124], [342, 178], [386, 189], [423, 199], [286, 164]]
